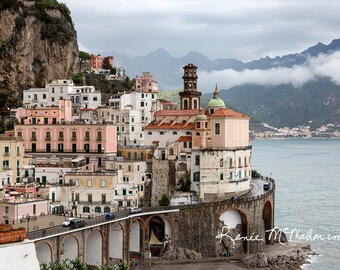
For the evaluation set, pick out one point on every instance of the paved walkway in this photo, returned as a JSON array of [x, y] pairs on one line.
[[42, 222]]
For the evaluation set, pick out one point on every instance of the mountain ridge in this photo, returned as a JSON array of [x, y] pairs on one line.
[[167, 69]]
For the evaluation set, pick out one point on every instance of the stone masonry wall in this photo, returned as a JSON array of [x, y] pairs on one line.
[[197, 226]]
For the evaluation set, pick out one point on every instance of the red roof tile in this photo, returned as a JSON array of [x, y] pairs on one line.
[[184, 126], [176, 112], [185, 139], [224, 112]]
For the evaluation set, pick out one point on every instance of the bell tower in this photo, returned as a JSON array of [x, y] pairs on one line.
[[190, 97]]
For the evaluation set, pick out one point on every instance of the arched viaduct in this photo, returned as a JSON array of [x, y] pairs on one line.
[[188, 226]]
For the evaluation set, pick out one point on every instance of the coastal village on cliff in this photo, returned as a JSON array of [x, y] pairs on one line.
[[130, 180]]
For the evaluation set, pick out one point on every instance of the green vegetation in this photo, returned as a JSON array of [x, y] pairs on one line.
[[10, 5], [78, 79], [255, 174], [108, 88], [106, 63], [113, 71], [8, 100], [184, 184], [77, 264], [164, 201], [41, 8], [56, 29], [82, 57]]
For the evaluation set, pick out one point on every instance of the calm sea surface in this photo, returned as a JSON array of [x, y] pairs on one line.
[[307, 174]]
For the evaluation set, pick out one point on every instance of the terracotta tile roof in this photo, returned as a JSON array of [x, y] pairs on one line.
[[176, 112], [228, 113], [185, 139], [170, 126]]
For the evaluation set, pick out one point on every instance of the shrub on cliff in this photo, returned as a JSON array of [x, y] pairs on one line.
[[164, 201]]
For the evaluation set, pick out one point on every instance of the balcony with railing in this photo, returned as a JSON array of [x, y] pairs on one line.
[[6, 153], [60, 138], [34, 138], [87, 138], [48, 138]]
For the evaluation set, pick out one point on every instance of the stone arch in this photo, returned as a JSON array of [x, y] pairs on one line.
[[268, 221], [136, 235], [94, 247], [116, 241], [163, 229], [69, 247], [234, 215], [44, 252]]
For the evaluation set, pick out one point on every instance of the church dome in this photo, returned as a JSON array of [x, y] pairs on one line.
[[216, 101], [201, 117]]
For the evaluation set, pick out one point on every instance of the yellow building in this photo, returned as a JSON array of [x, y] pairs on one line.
[[11, 159]]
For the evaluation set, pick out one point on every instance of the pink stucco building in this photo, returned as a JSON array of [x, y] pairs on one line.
[[50, 134], [47, 115], [15, 209]]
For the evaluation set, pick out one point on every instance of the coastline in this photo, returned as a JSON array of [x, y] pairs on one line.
[[290, 256]]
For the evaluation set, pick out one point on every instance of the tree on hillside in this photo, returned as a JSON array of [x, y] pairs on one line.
[[83, 56], [106, 63], [78, 79], [113, 71]]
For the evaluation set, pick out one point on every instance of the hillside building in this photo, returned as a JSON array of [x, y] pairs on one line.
[[80, 96]]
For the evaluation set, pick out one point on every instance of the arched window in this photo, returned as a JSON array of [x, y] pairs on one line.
[[174, 133], [86, 209], [185, 145], [97, 209], [185, 104], [188, 133], [195, 104], [190, 144], [171, 151], [161, 133], [149, 133], [107, 209], [198, 134]]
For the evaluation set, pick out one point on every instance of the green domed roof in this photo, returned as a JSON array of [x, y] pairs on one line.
[[216, 101], [201, 117]]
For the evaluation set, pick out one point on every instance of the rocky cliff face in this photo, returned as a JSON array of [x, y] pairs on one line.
[[38, 43]]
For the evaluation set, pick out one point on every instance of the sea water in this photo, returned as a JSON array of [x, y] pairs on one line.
[[307, 199]]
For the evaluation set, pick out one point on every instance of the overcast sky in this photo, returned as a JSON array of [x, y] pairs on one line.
[[241, 29]]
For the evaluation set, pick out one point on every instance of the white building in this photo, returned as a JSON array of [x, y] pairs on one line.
[[130, 186], [81, 96], [131, 112]]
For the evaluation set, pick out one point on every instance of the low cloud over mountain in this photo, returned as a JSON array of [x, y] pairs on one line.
[[297, 75]]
